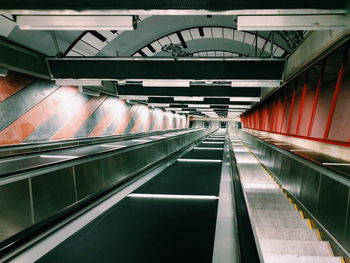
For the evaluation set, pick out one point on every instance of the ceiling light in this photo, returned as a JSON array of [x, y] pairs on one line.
[[165, 83], [122, 82], [75, 22], [198, 105], [183, 112], [205, 110], [245, 99], [188, 99], [173, 109], [236, 110], [256, 83], [291, 22], [239, 106], [159, 104], [132, 97], [78, 82]]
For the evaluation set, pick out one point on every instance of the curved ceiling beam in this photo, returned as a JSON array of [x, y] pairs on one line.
[[156, 27], [216, 53], [233, 46]]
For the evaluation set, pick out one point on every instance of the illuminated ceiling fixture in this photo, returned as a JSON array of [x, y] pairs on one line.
[[132, 97], [198, 105], [291, 22], [239, 106], [173, 109], [78, 82], [205, 110], [75, 22], [236, 110], [188, 98], [159, 104], [256, 83], [245, 99], [185, 112], [166, 83]]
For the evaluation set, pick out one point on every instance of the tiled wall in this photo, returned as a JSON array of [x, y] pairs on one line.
[[37, 110], [315, 105]]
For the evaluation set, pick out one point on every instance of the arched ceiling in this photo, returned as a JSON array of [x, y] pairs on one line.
[[221, 38], [157, 31]]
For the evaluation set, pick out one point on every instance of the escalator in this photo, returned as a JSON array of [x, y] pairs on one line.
[[281, 232], [170, 215]]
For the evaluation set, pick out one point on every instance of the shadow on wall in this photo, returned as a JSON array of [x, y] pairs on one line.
[[34, 110]]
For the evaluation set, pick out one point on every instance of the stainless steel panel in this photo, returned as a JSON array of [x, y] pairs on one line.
[[112, 169], [52, 192], [309, 188], [89, 178], [332, 206], [15, 209]]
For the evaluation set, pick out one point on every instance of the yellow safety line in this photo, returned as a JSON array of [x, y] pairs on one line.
[[318, 234], [302, 214]]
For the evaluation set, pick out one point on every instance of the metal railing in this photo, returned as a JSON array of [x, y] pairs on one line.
[[323, 194]]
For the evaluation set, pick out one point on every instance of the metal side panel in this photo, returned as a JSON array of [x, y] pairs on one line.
[[15, 208]]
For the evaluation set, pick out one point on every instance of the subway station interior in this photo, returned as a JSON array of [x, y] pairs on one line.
[[175, 131]]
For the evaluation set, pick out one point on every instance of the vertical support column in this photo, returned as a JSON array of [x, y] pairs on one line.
[[302, 101], [283, 112], [291, 109], [335, 95], [316, 96], [277, 110]]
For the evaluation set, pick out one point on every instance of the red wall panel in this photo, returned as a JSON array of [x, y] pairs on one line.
[[315, 105]]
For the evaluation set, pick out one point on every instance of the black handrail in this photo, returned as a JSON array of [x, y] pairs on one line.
[[37, 147]]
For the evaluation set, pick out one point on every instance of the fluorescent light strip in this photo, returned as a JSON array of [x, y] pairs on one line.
[[166, 83], [174, 109], [245, 99], [198, 105], [75, 22], [58, 156], [159, 104], [239, 106], [291, 22], [213, 142], [337, 164], [165, 196], [199, 160], [206, 148], [78, 82], [205, 110], [132, 97], [256, 83], [182, 98]]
